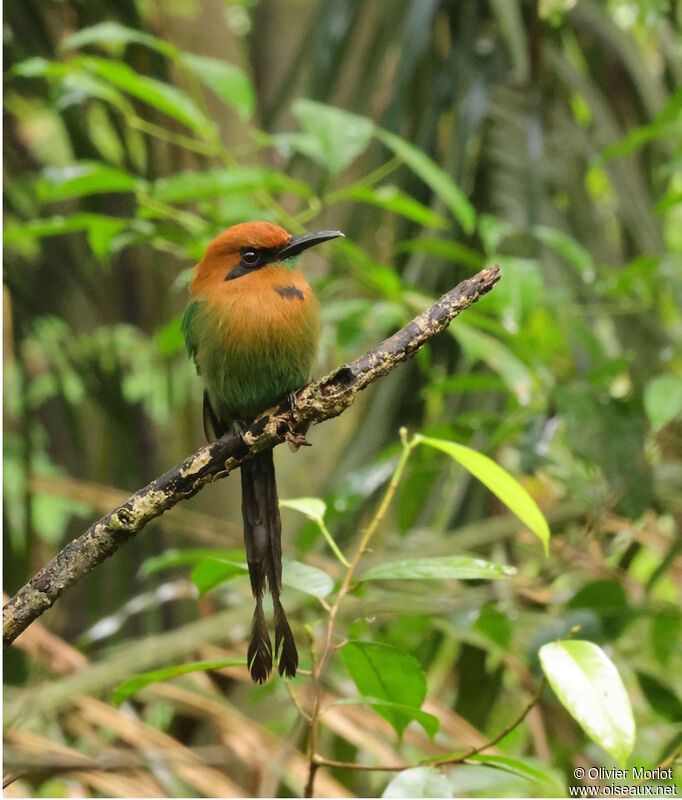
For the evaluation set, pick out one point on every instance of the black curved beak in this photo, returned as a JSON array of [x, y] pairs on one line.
[[297, 244]]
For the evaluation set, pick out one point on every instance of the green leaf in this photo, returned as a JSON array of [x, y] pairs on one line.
[[315, 509], [479, 345], [306, 579], [340, 136], [522, 769], [124, 690], [663, 400], [165, 98], [184, 187], [386, 673], [569, 248], [113, 33], [419, 782], [434, 177], [499, 481], [311, 507], [666, 629], [494, 625], [442, 248], [396, 201], [589, 686], [228, 81], [211, 572], [82, 179], [172, 558], [439, 568], [20, 233], [660, 697], [429, 722], [169, 337]]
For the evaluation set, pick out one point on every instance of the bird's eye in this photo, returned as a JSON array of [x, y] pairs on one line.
[[250, 258]]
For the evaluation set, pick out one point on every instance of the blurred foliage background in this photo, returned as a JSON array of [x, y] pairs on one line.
[[440, 136]]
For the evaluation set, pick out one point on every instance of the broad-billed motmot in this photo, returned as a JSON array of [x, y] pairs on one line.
[[252, 328]]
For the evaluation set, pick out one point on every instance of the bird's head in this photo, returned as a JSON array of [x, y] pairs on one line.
[[244, 248]]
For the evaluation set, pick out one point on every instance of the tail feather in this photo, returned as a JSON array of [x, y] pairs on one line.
[[288, 660], [263, 539], [259, 656]]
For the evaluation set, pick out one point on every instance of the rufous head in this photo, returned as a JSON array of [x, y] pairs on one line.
[[246, 247]]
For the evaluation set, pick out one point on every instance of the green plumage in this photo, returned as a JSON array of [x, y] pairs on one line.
[[244, 375]]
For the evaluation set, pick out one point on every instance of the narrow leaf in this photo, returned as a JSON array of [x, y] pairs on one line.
[[590, 688], [500, 483], [432, 175], [396, 201], [185, 187], [500, 359], [113, 33], [443, 568], [124, 690], [82, 179], [165, 98], [545, 778]]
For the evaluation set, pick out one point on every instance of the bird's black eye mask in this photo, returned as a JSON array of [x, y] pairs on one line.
[[256, 257], [253, 258]]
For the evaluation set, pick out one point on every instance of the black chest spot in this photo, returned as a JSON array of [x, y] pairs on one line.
[[290, 292]]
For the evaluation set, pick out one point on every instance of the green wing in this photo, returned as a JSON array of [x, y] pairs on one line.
[[189, 322]]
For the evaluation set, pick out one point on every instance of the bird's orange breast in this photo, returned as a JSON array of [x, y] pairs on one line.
[[259, 340]]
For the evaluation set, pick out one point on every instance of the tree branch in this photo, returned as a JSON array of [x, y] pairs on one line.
[[318, 401]]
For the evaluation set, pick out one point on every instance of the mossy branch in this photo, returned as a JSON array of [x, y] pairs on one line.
[[318, 401]]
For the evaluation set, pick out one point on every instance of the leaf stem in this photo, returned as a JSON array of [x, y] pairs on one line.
[[319, 761], [328, 648]]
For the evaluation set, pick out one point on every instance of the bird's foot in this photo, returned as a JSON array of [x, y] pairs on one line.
[[297, 440]]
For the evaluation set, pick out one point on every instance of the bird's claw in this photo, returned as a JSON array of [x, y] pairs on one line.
[[297, 439]]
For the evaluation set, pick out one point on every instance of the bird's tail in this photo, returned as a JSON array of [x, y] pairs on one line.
[[263, 539]]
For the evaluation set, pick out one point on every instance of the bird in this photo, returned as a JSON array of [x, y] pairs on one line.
[[251, 327]]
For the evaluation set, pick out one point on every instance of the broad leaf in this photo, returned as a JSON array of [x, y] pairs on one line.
[[442, 568], [386, 673], [181, 558], [124, 690], [340, 135], [660, 697], [663, 400], [419, 782], [500, 483], [211, 572], [228, 81], [589, 686], [311, 507], [432, 175], [429, 722]]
